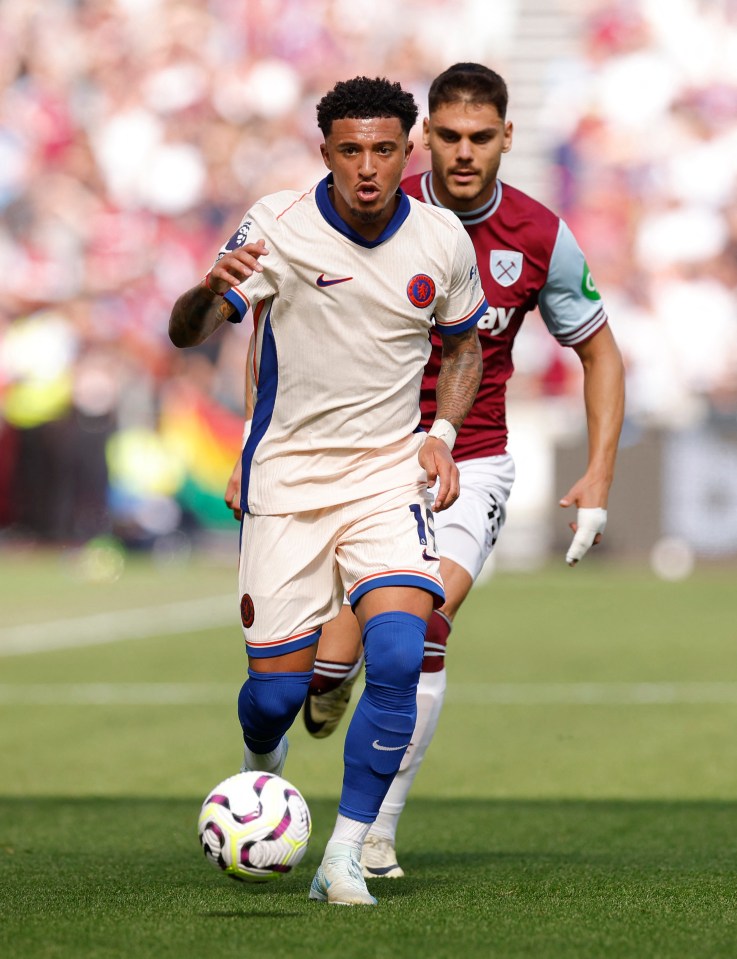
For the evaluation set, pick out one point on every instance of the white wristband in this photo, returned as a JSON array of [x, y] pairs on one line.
[[445, 431], [246, 431]]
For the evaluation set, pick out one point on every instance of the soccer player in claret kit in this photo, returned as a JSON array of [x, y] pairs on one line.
[[348, 279], [527, 258]]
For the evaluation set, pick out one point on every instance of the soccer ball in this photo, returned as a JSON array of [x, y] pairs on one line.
[[254, 826]]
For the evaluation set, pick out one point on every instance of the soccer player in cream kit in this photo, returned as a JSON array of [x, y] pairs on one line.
[[350, 278], [527, 258]]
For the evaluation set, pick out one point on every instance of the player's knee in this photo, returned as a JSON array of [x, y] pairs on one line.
[[269, 702], [394, 648]]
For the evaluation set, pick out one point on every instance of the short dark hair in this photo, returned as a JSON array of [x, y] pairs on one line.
[[469, 82], [362, 99]]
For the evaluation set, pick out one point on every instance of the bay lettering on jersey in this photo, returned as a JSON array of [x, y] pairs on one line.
[[497, 319]]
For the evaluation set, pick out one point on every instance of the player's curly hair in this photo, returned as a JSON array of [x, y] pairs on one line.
[[362, 98], [470, 83]]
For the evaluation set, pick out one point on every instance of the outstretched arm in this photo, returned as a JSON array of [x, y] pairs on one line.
[[458, 382], [201, 310], [603, 390]]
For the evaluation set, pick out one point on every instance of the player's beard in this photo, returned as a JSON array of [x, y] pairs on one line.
[[470, 193], [366, 216]]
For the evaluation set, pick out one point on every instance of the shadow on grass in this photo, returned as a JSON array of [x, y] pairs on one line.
[[434, 834]]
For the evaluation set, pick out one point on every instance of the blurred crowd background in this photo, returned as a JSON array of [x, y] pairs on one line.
[[135, 133]]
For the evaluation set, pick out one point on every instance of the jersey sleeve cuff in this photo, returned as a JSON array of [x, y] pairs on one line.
[[239, 301], [465, 322], [585, 331]]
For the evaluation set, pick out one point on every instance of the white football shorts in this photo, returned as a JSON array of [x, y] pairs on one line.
[[467, 531], [295, 568]]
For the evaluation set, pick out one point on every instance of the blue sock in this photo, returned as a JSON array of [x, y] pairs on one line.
[[267, 706], [384, 719]]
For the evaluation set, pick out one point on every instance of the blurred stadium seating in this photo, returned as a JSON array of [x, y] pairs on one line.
[[134, 134]]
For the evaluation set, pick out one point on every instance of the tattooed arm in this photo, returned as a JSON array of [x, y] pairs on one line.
[[459, 377], [201, 310], [458, 382], [196, 315]]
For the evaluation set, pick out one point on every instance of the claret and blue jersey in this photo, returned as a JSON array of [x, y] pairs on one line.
[[527, 258]]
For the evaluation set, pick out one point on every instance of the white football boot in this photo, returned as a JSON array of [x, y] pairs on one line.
[[379, 859], [338, 879]]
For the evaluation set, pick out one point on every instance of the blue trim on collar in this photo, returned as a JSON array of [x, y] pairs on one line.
[[330, 214]]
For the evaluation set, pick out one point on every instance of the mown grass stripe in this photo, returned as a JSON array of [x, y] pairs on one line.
[[187, 616], [475, 694]]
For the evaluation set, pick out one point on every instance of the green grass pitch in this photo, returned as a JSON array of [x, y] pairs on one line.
[[580, 798]]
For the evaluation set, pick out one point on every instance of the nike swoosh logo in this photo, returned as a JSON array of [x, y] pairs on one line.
[[387, 749], [428, 557], [321, 281]]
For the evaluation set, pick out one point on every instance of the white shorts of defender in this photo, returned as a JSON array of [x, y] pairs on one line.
[[468, 530]]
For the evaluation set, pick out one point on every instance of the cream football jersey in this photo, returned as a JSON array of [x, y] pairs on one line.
[[342, 330]]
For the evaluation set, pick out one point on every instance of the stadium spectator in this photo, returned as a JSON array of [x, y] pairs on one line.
[[128, 128]]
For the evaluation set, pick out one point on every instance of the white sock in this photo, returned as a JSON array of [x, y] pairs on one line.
[[262, 762], [347, 833], [354, 669], [430, 696]]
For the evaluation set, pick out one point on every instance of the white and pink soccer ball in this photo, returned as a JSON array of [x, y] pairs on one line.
[[254, 826]]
